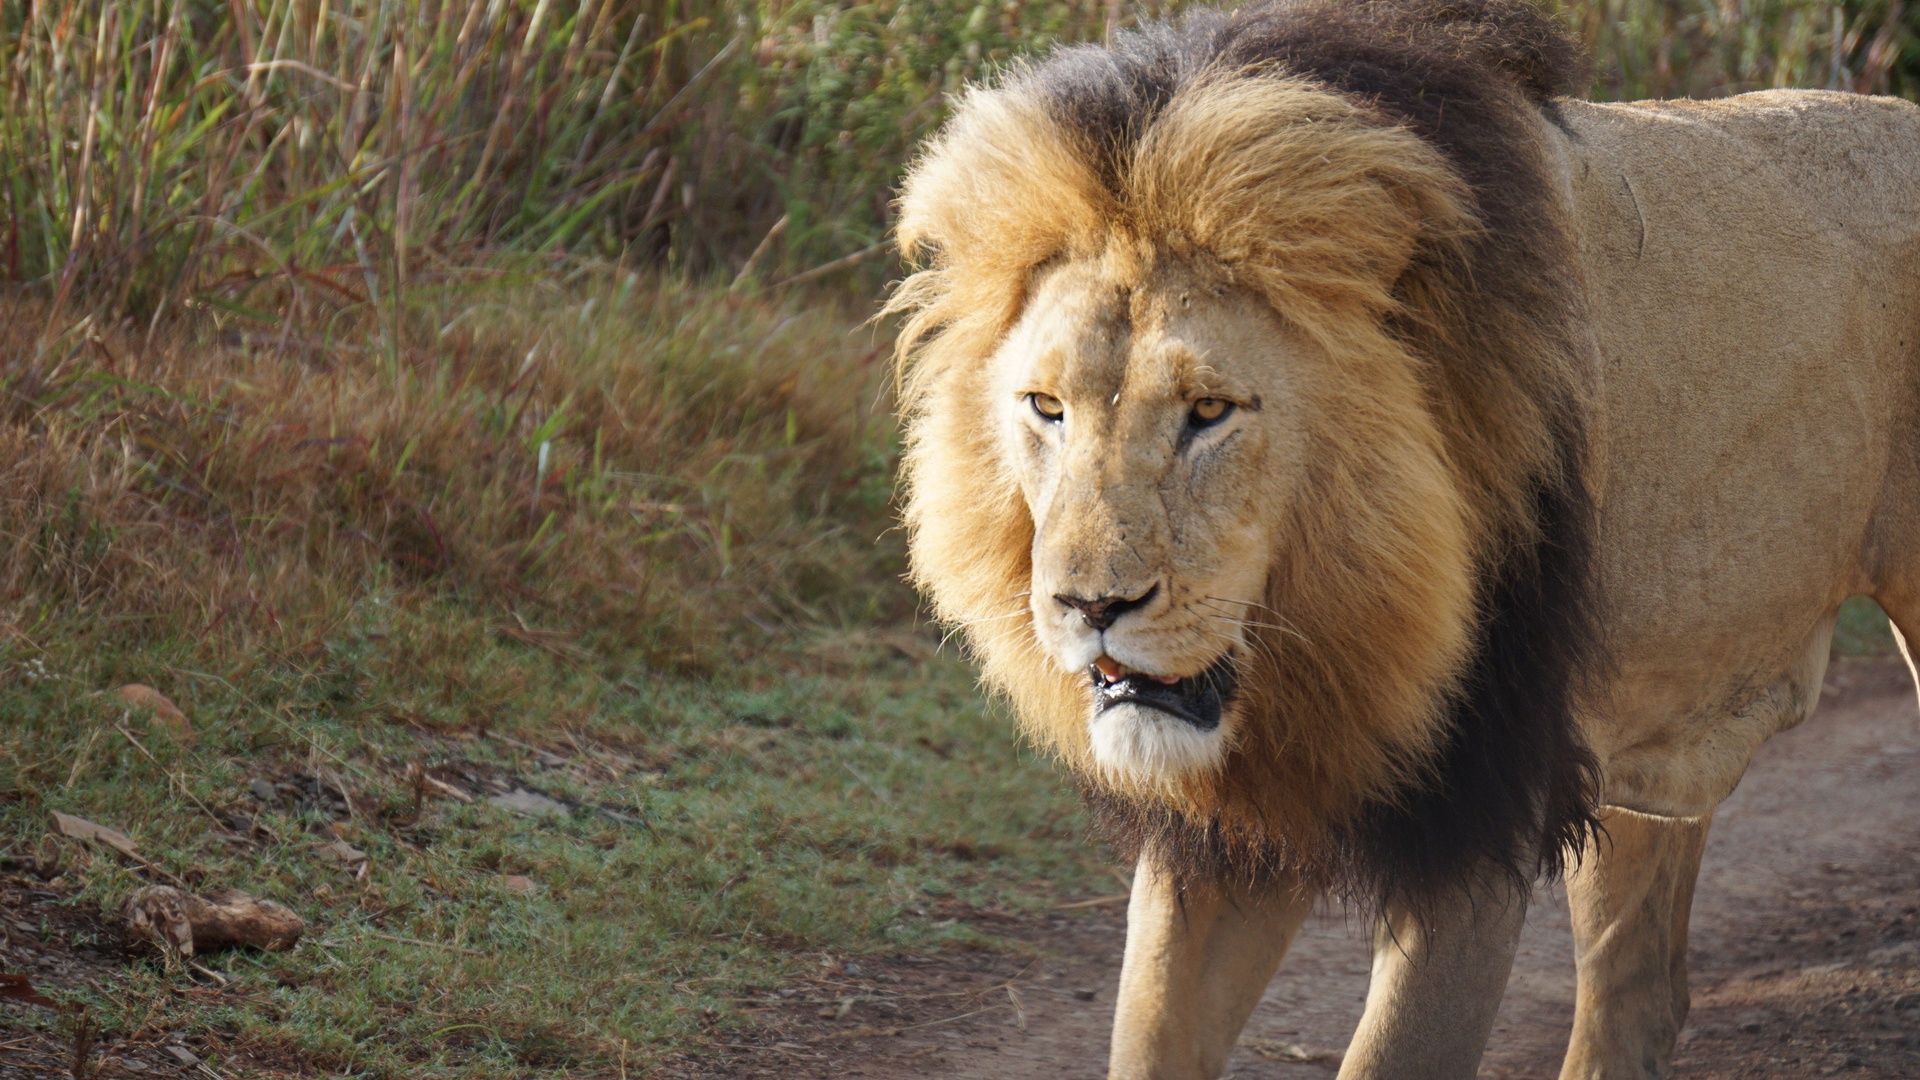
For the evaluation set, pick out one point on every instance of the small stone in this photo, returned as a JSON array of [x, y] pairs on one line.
[[182, 1055], [343, 853], [165, 716], [262, 790], [522, 884], [1084, 994]]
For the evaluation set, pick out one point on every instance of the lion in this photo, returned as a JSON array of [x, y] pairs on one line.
[[1376, 473]]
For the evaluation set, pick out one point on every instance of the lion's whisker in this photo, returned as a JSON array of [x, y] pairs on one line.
[[1246, 603], [1254, 604], [1262, 644], [1259, 624], [1256, 624], [989, 618]]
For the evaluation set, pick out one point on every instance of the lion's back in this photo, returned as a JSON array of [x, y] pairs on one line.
[[1753, 273], [1849, 162]]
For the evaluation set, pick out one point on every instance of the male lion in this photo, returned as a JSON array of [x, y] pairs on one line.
[[1372, 471]]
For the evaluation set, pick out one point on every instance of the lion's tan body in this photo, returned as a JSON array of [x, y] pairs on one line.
[[1753, 271], [1740, 331]]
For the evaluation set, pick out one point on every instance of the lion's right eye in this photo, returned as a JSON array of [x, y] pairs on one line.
[[1209, 411], [1048, 406]]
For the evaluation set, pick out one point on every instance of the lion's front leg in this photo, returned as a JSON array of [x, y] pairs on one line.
[[1630, 898], [1198, 959], [1438, 975]]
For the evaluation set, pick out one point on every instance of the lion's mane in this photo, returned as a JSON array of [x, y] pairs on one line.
[[1374, 171]]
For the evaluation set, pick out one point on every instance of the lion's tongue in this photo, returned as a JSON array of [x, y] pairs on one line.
[[1111, 671]]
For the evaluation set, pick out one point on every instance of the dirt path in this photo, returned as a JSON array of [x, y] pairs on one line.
[[1805, 951]]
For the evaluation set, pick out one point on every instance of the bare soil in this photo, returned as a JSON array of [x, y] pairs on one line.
[[1805, 951]]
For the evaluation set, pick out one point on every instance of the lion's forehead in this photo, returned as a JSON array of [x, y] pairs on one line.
[[1096, 335]]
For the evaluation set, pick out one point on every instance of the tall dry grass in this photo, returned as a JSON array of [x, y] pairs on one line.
[[1710, 48], [622, 467], [283, 157], [289, 157]]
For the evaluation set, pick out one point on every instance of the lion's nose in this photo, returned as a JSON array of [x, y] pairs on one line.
[[1102, 612]]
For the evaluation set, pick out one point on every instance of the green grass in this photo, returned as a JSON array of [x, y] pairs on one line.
[[839, 799], [1863, 630]]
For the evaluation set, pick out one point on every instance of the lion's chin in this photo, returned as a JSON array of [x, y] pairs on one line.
[[1141, 746]]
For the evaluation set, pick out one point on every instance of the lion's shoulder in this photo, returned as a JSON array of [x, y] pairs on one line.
[[1846, 166]]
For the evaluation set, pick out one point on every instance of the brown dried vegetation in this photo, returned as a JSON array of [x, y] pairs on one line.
[[652, 473]]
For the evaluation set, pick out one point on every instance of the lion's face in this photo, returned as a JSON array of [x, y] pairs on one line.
[[1171, 460], [1153, 434]]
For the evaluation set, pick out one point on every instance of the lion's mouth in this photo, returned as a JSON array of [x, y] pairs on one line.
[[1197, 699]]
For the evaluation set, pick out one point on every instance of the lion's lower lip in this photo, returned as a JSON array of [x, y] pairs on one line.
[[1197, 699]]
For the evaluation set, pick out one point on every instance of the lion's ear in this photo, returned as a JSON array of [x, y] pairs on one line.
[[1001, 190]]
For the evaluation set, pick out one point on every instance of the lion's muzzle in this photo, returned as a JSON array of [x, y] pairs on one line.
[[1198, 699], [1153, 733]]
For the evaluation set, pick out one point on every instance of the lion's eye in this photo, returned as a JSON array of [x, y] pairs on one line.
[[1210, 410], [1048, 406]]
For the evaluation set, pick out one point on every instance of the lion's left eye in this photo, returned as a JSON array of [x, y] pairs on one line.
[[1209, 411], [1048, 406]]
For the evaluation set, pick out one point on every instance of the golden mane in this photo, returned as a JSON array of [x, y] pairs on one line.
[[1429, 469]]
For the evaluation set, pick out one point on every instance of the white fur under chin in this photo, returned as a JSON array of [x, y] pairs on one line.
[[1143, 746]]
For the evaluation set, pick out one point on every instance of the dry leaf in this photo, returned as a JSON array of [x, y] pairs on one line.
[[343, 853], [79, 828], [166, 716], [18, 988]]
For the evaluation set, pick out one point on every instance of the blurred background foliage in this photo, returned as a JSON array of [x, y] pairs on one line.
[[292, 158]]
